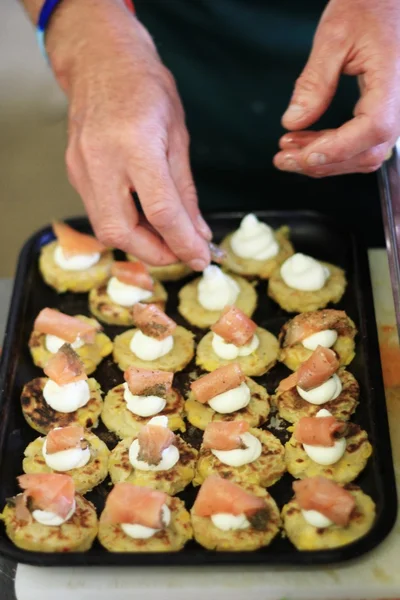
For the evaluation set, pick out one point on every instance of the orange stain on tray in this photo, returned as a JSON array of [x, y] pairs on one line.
[[390, 355]]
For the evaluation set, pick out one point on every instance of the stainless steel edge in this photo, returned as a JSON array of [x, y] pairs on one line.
[[389, 189]]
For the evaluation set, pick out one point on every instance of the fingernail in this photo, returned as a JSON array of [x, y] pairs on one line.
[[289, 164], [294, 112], [198, 264], [316, 159], [204, 228]]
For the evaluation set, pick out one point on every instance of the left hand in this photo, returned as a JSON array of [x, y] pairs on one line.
[[354, 37]]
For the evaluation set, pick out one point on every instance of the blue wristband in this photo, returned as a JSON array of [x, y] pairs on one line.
[[45, 15]]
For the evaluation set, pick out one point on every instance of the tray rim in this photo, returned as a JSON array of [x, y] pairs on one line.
[[203, 557]]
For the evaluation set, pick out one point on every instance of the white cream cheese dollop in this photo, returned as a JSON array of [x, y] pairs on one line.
[[79, 262], [326, 338], [169, 458], [66, 398], [141, 532], [45, 517], [228, 522], [148, 348], [143, 406], [316, 519], [231, 400], [53, 343], [230, 351], [65, 460], [216, 289], [301, 272], [325, 392], [241, 456], [326, 455], [124, 294], [254, 240]]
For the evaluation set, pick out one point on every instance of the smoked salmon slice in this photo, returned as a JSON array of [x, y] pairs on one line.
[[133, 273], [152, 321], [64, 438], [54, 492], [302, 326], [153, 439], [128, 503], [54, 322], [74, 242], [319, 431], [317, 369], [65, 366], [325, 496], [224, 435], [218, 495], [142, 382], [217, 382], [234, 326]]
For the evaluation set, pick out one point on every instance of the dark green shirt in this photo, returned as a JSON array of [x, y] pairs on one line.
[[235, 63]]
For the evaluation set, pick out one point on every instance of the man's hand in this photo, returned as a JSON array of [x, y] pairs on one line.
[[126, 133], [354, 37]]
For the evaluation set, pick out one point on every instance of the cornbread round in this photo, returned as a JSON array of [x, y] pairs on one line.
[[239, 540], [170, 539], [291, 406], [257, 363], [73, 281], [41, 417], [171, 481], [306, 537], [249, 267], [176, 360], [118, 418], [255, 413], [90, 354], [265, 471], [85, 478], [191, 309], [75, 535], [172, 272], [353, 461], [104, 309], [299, 301]]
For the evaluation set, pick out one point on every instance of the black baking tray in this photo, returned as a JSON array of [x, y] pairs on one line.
[[312, 234]]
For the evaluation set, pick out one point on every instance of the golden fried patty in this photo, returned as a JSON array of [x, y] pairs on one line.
[[86, 477], [118, 418], [90, 354], [73, 281], [249, 267], [291, 406], [170, 539], [172, 481], [306, 537], [172, 272], [264, 527], [265, 471], [191, 309], [41, 417], [255, 413], [104, 309], [257, 363], [353, 461], [176, 360], [299, 301], [76, 535]]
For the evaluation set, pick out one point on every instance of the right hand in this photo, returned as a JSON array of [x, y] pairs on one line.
[[127, 133]]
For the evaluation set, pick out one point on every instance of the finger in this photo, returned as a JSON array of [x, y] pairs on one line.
[[366, 162], [112, 213], [296, 140], [315, 87], [164, 210], [179, 163]]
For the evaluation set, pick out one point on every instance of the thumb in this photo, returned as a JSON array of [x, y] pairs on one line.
[[318, 82]]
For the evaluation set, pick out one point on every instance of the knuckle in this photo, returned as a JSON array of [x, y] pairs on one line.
[[110, 234], [381, 129], [374, 156], [371, 168], [334, 32], [161, 214], [308, 81]]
